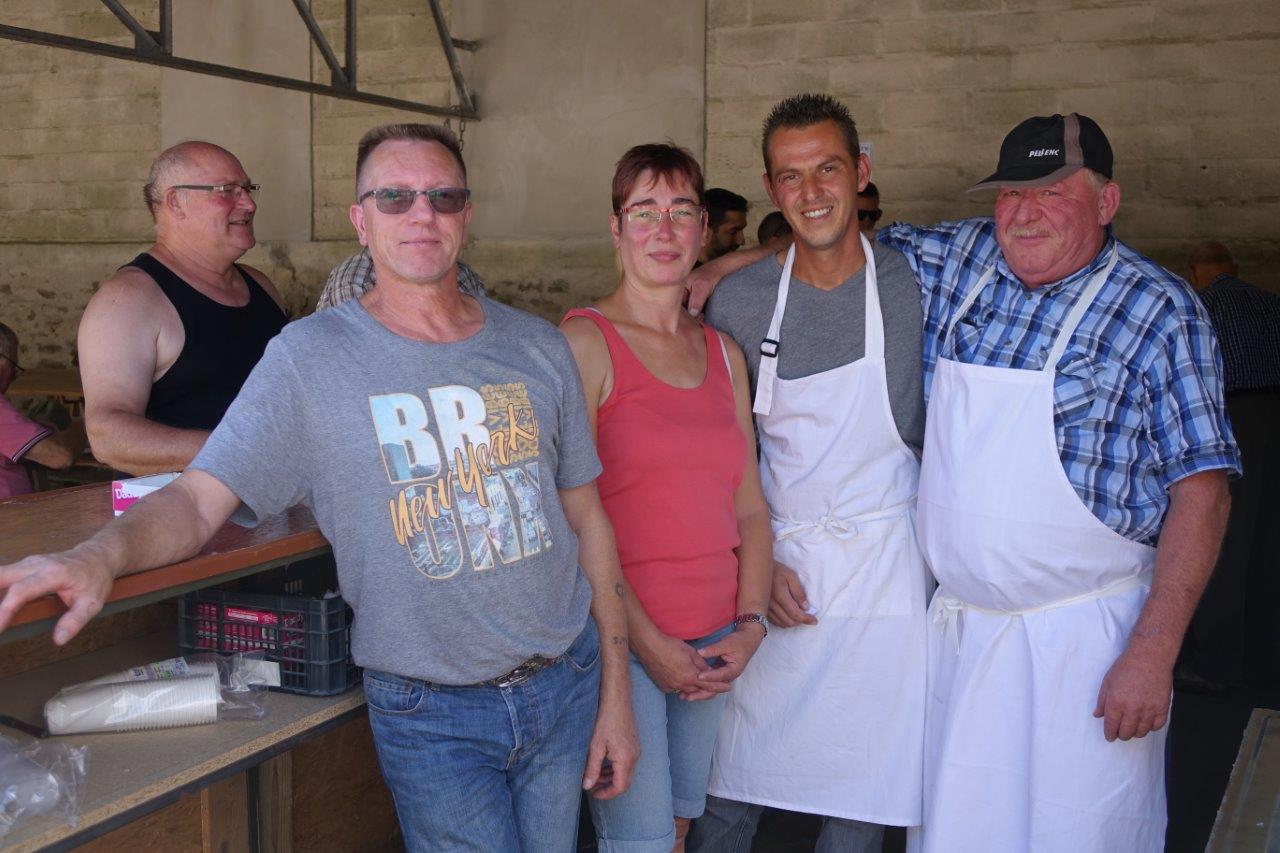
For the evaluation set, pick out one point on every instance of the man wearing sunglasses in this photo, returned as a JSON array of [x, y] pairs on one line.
[[869, 211], [168, 340], [442, 442]]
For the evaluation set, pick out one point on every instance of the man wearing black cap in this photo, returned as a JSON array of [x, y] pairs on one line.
[[1072, 500]]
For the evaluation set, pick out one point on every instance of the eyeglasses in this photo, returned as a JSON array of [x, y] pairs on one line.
[[870, 215], [226, 191], [18, 369], [395, 200], [650, 215]]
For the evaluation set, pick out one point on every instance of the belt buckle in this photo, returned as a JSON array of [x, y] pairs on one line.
[[521, 673]]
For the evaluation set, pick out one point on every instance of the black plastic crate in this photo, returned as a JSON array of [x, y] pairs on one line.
[[294, 625]]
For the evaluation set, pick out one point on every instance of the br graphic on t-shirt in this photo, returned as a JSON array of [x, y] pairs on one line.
[[433, 470]]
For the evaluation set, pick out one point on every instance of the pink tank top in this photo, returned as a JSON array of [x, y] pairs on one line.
[[673, 458]]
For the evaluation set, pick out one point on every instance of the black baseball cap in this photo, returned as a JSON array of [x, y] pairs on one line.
[[1045, 149]]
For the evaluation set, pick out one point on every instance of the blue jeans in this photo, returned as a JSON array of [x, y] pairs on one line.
[[488, 768], [670, 780], [728, 826]]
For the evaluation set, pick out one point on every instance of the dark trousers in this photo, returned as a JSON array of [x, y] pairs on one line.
[[1234, 638]]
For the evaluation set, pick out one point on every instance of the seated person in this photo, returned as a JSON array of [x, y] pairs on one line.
[[22, 439], [167, 342], [354, 277]]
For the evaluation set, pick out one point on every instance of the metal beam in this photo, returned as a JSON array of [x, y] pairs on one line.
[[242, 74], [339, 73], [166, 26], [446, 44], [351, 42], [143, 40]]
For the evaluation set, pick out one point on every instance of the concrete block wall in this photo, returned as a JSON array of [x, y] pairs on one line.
[[1187, 90]]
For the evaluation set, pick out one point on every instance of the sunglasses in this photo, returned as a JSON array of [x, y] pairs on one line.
[[395, 200], [870, 215]]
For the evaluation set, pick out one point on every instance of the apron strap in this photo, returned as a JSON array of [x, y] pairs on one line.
[[1076, 314], [768, 371], [965, 305], [873, 318]]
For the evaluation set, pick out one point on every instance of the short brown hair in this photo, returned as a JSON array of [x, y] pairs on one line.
[[664, 160], [801, 111], [421, 132]]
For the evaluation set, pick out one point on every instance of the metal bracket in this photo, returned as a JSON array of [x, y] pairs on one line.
[[156, 48]]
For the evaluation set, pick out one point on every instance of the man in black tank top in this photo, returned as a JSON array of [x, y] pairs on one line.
[[168, 340]]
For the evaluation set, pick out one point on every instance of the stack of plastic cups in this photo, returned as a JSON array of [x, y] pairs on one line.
[[134, 705]]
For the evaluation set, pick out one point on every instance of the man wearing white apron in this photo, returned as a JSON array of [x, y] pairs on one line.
[[1072, 500], [829, 719]]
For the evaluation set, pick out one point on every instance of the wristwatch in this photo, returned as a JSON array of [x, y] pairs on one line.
[[745, 618]]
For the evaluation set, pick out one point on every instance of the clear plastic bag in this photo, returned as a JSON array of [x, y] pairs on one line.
[[178, 692], [39, 777]]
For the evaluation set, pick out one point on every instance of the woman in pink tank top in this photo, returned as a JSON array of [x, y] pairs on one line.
[[669, 403]]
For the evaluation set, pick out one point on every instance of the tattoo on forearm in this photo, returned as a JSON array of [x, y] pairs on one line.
[[619, 640], [617, 587]]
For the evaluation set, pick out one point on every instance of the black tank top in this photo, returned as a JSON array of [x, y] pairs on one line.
[[222, 346]]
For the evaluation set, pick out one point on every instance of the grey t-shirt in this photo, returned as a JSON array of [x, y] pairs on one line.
[[823, 329], [432, 469]]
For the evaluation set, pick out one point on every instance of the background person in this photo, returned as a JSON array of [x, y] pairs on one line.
[[354, 276], [22, 439], [668, 402], [774, 232], [1230, 661], [168, 341], [726, 220], [869, 211]]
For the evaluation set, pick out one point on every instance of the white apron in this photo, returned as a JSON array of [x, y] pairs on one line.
[[829, 719], [1036, 600]]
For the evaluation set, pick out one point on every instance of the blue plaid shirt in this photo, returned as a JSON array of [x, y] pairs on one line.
[[1138, 401]]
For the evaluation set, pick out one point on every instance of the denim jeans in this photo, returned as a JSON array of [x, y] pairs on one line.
[[670, 780], [727, 826], [488, 768]]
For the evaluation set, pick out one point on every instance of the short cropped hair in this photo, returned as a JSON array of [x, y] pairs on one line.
[[800, 111], [664, 160], [720, 201], [419, 132], [773, 225], [872, 191], [1211, 253], [8, 343]]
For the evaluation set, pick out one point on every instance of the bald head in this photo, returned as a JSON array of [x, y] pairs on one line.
[[1208, 261], [175, 165]]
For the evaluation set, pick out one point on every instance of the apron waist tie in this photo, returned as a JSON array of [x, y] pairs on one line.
[[949, 610], [839, 526]]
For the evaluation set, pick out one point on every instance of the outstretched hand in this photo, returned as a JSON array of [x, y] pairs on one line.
[[81, 582]]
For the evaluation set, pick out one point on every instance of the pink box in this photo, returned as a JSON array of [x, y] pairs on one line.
[[126, 493]]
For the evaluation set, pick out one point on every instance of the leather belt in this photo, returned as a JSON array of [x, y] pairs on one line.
[[521, 673]]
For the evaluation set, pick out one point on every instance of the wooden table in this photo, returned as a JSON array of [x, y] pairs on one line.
[[1249, 818], [240, 771], [52, 521], [131, 774], [63, 385]]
